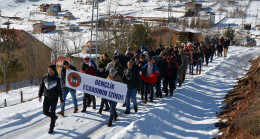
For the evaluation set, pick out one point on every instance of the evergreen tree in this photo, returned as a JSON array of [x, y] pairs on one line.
[[8, 62], [141, 36], [230, 33], [192, 24]]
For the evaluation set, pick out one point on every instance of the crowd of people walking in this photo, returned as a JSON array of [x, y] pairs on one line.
[[144, 71]]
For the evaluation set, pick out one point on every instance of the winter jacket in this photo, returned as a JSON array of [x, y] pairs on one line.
[[91, 63], [63, 73], [207, 53], [220, 48], [51, 87], [144, 69], [103, 74], [115, 78], [159, 64], [91, 71], [131, 78], [110, 65], [140, 64], [173, 70], [103, 61]]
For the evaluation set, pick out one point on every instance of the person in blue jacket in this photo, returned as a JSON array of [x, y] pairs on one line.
[[148, 70]]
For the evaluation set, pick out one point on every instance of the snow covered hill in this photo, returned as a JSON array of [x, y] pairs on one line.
[[191, 113]]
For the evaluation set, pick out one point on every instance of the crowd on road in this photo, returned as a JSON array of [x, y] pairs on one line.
[[143, 70]]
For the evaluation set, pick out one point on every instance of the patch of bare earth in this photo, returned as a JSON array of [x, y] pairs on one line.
[[241, 114]]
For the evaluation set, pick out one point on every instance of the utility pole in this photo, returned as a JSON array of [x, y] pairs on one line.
[[94, 28], [169, 17], [256, 17]]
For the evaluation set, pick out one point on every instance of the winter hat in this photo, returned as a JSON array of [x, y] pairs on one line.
[[53, 67], [86, 58], [146, 53], [117, 52], [101, 65], [127, 52], [143, 47], [117, 64], [66, 63], [112, 71], [136, 56]]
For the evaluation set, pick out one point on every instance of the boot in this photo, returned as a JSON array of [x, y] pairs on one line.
[[145, 102], [51, 129], [94, 105], [124, 105], [109, 124], [171, 94], [136, 109], [99, 112], [115, 117], [166, 95], [196, 72], [75, 110], [61, 113], [84, 110], [200, 72], [106, 109], [127, 112]]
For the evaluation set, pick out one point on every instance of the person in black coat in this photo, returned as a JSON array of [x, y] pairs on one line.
[[220, 49], [157, 60], [52, 89], [102, 72], [131, 78], [140, 63], [207, 54], [170, 76], [67, 66]]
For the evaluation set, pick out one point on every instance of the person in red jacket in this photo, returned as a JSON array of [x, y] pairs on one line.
[[87, 99]]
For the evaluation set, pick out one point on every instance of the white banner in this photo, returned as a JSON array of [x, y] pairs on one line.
[[96, 86]]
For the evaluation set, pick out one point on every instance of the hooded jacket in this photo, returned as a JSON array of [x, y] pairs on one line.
[[51, 86]]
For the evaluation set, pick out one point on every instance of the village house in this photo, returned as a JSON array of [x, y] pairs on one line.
[[68, 16], [52, 11], [207, 19], [34, 56], [59, 63], [193, 6], [44, 7], [43, 27], [177, 35], [71, 27], [86, 48]]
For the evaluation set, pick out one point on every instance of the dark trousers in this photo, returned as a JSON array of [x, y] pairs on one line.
[[103, 102], [184, 74], [87, 99], [169, 82], [49, 108], [113, 112], [149, 90], [142, 87], [158, 87]]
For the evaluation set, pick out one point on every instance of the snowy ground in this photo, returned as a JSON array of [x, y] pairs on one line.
[[191, 113]]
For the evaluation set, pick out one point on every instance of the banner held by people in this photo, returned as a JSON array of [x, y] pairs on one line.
[[100, 87]]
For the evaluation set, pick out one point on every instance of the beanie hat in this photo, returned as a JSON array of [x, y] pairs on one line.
[[101, 65], [65, 62], [117, 64], [86, 58], [53, 67], [142, 46], [112, 71], [117, 52], [127, 52]]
